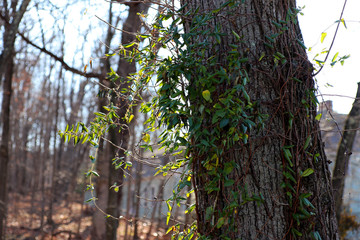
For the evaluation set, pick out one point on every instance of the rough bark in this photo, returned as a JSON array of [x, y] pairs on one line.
[[261, 162], [4, 147], [344, 152]]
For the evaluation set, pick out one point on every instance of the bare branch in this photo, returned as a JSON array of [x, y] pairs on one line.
[[60, 59]]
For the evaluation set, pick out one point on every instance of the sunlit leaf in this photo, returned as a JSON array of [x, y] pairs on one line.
[[318, 117], [343, 21], [206, 95], [146, 138], [335, 56], [323, 36], [307, 172], [130, 118]]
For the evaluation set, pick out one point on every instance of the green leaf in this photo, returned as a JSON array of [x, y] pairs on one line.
[[318, 117], [287, 155], [229, 183], [335, 56], [316, 235], [100, 114], [94, 173], [77, 127], [296, 232], [224, 122], [323, 36], [307, 172], [85, 138], [228, 168], [301, 43], [93, 160], [262, 56], [220, 222], [206, 95], [307, 142], [89, 200], [236, 35]]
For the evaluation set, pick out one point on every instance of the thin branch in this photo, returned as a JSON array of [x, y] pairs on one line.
[[116, 28], [333, 40], [57, 58], [60, 59]]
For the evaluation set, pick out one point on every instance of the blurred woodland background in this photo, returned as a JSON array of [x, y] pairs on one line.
[[54, 62], [55, 58]]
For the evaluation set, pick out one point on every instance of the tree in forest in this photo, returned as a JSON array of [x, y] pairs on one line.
[[15, 12], [239, 94], [344, 152], [114, 152]]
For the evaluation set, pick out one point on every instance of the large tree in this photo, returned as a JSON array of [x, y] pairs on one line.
[[258, 166]]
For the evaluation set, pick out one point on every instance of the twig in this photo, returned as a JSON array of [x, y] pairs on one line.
[[333, 40]]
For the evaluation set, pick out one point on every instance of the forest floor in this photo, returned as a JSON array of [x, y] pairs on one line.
[[71, 220]]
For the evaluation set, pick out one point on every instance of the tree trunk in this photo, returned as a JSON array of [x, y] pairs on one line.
[[139, 169], [262, 186], [120, 140], [343, 154], [6, 71], [102, 162], [4, 147], [10, 36], [54, 160]]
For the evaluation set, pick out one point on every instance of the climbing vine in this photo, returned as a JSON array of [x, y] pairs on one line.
[[203, 107]]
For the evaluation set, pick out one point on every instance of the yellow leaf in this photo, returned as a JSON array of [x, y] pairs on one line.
[[130, 118], [206, 95], [323, 36], [343, 21], [146, 138]]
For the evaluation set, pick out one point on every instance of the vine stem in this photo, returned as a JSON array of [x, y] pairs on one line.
[[333, 40]]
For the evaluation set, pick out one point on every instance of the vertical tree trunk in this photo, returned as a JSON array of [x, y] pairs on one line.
[[54, 156], [4, 147], [102, 162], [139, 168], [258, 187], [120, 139], [10, 36], [343, 154], [6, 71]]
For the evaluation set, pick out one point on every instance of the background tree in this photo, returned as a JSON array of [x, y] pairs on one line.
[[343, 153], [13, 14]]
